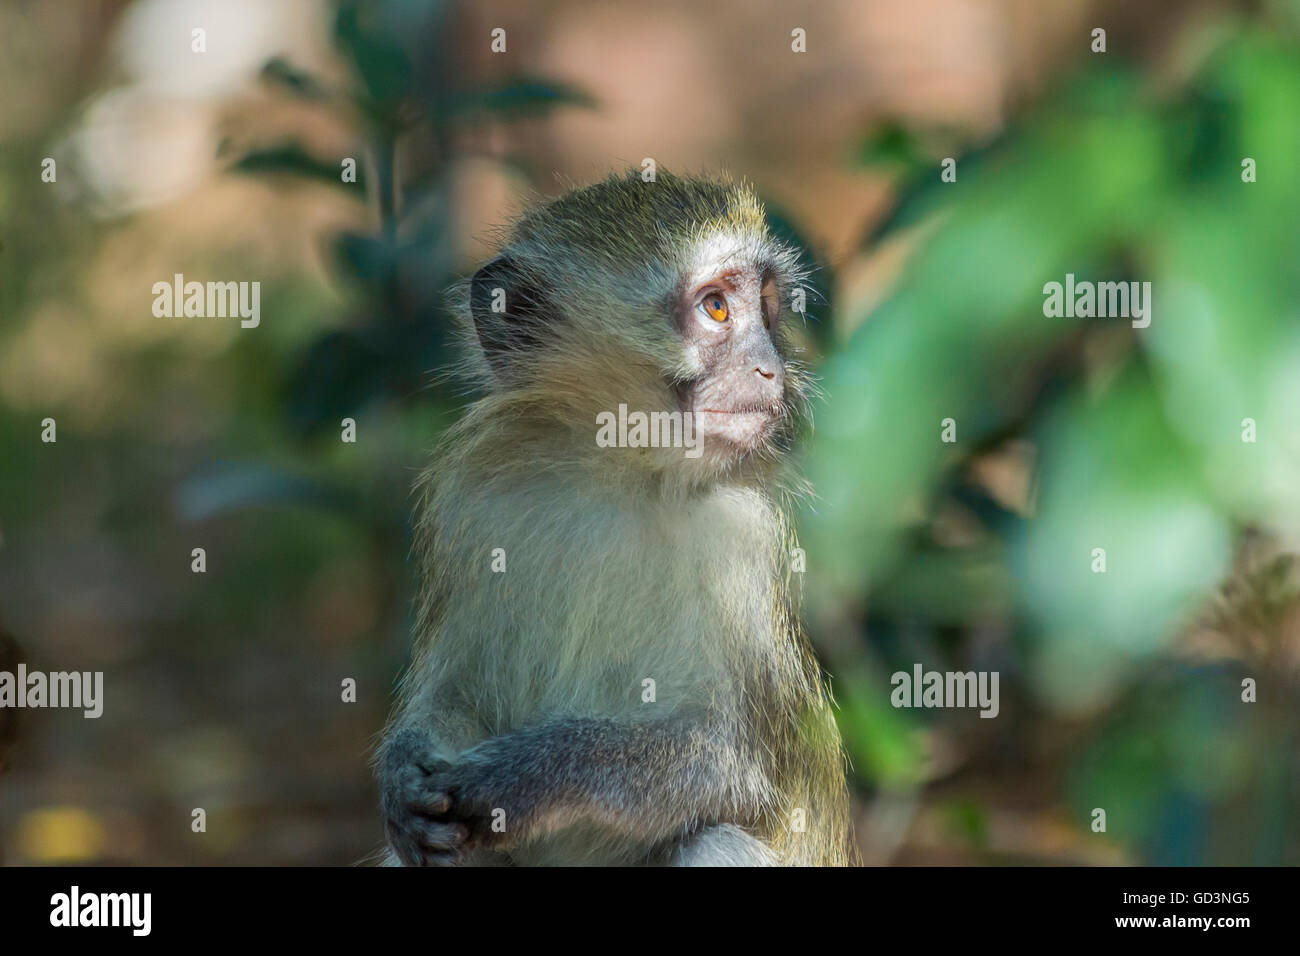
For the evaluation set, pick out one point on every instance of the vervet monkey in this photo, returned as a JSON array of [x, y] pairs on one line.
[[609, 666]]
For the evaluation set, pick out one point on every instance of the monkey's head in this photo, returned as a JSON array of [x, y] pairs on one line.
[[628, 299]]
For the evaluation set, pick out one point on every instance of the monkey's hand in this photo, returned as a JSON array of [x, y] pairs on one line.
[[430, 815], [649, 779]]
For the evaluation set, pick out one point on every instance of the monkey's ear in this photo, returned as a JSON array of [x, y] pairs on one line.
[[510, 310]]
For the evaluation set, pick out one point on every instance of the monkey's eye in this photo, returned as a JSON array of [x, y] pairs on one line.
[[715, 307]]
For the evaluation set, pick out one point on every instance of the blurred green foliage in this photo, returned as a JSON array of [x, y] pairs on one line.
[[401, 272], [1128, 439], [396, 341], [1136, 433]]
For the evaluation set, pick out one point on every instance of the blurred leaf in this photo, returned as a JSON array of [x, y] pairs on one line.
[[1179, 744], [391, 356], [893, 144], [1201, 129], [338, 375], [820, 304], [885, 745], [968, 821], [365, 257], [921, 191], [283, 74], [1115, 477], [518, 97], [971, 304], [238, 486], [292, 160], [381, 62]]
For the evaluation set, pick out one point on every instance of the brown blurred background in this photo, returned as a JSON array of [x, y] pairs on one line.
[[222, 690]]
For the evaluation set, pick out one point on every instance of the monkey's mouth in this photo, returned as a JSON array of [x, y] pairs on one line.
[[764, 412], [743, 427]]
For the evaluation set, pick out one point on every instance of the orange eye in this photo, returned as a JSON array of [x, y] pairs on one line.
[[715, 307]]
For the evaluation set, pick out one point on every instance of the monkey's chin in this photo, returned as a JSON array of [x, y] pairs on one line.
[[733, 433]]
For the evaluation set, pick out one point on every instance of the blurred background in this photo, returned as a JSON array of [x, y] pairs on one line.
[[1119, 690]]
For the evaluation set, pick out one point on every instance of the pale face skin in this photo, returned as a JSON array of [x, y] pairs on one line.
[[727, 318]]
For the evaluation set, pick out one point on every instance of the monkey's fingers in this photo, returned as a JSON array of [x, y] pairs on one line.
[[431, 804], [428, 762], [421, 842], [413, 750], [435, 837]]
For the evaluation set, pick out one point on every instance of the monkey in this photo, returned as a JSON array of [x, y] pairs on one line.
[[608, 664]]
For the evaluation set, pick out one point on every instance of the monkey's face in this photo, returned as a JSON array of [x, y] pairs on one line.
[[640, 324], [727, 320]]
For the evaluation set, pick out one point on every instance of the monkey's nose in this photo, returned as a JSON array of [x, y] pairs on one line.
[[764, 372]]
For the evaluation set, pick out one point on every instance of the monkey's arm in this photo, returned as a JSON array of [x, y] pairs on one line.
[[648, 778]]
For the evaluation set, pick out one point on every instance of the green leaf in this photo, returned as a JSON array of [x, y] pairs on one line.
[[521, 96], [289, 159], [234, 487], [366, 258], [886, 746], [382, 63], [820, 304], [283, 74], [893, 144]]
